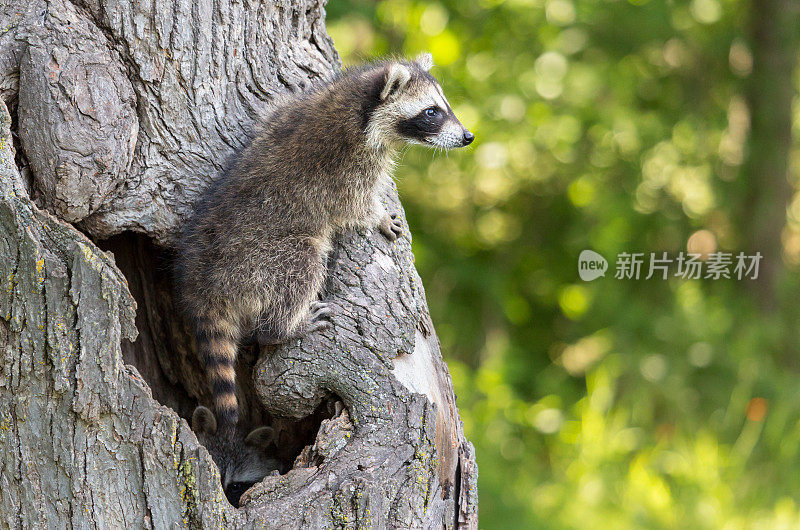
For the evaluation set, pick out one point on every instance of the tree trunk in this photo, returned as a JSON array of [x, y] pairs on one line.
[[774, 28], [115, 114]]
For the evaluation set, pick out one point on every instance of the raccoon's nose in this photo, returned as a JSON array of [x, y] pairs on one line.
[[468, 137]]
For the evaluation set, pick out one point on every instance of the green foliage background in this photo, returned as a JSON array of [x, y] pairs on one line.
[[620, 127]]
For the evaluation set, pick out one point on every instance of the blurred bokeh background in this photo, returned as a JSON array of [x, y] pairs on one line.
[[618, 126]]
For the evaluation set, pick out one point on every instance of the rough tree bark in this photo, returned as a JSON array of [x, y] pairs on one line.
[[115, 114]]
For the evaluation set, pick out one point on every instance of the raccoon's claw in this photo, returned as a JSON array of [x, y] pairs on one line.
[[318, 319], [320, 311], [391, 226], [320, 316]]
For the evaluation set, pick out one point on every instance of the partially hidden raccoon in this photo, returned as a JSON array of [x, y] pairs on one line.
[[251, 260], [242, 459]]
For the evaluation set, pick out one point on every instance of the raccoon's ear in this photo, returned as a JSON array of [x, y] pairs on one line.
[[396, 78], [260, 437], [425, 61], [203, 421]]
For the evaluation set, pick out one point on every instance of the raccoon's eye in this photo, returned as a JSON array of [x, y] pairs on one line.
[[431, 112], [234, 491]]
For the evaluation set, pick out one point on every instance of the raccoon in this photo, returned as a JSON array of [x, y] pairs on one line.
[[242, 460], [251, 260]]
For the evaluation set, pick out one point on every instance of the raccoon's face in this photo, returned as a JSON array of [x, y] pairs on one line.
[[242, 460], [413, 109]]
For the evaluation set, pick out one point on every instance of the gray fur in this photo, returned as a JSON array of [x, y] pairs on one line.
[[252, 258], [242, 460]]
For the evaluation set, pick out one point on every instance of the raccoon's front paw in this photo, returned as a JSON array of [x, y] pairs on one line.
[[317, 319], [320, 316], [391, 226]]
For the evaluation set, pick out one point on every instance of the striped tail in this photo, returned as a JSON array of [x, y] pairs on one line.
[[217, 349]]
